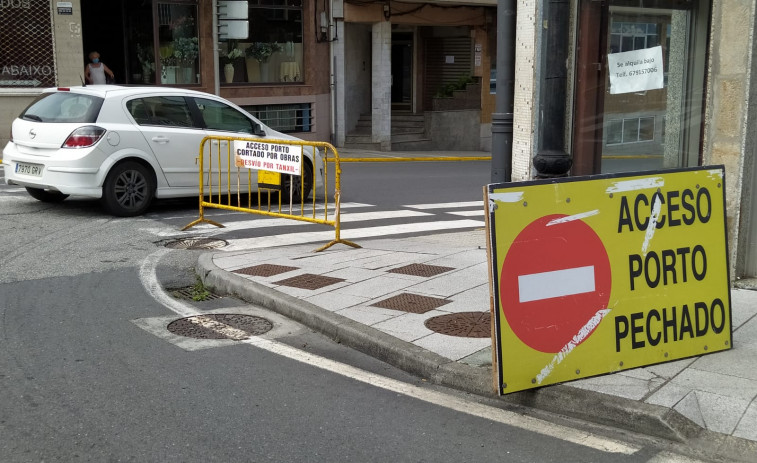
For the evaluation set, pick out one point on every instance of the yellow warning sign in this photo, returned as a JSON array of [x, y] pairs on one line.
[[599, 274], [268, 179]]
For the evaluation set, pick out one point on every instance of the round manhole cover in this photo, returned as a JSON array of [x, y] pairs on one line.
[[220, 326], [464, 325], [196, 243]]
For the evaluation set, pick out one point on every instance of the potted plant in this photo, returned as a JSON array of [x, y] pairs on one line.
[[261, 52], [167, 64], [186, 52], [229, 58]]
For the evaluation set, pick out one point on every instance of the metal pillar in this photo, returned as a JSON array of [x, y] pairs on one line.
[[551, 160]]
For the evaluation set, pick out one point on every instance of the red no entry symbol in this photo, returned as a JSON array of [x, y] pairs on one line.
[[556, 276]]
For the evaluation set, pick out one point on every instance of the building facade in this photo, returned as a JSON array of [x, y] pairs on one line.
[[356, 72], [278, 69], [701, 111]]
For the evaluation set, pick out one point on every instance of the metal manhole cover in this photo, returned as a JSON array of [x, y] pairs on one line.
[[190, 292], [264, 270], [413, 303], [464, 325], [220, 326], [421, 270], [309, 281], [196, 243]]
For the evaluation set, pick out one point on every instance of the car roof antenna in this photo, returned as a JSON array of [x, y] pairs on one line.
[[83, 84]]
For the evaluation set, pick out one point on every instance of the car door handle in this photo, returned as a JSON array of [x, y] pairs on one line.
[[160, 139]]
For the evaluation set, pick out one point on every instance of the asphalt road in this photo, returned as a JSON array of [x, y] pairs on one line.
[[87, 373]]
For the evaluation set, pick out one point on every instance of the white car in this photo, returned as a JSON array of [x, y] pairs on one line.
[[129, 145]]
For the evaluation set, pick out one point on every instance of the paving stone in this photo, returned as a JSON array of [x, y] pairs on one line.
[[408, 326], [452, 347], [739, 362], [368, 316], [670, 369], [618, 385], [689, 407], [334, 301], [376, 287], [721, 413], [747, 427], [668, 395], [727, 385]]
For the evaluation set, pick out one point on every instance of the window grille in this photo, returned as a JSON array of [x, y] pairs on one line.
[[27, 44], [285, 118]]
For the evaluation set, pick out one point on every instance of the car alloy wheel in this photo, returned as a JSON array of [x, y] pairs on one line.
[[128, 189]]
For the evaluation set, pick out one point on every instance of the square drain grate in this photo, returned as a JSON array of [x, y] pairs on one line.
[[413, 303], [421, 270], [309, 281], [265, 270], [190, 292]]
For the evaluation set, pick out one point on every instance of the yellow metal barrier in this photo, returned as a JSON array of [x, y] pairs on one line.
[[415, 159], [231, 167]]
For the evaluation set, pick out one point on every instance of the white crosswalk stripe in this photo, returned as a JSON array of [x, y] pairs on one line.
[[248, 231], [351, 234]]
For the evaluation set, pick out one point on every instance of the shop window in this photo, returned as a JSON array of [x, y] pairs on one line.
[[173, 56], [26, 45], [284, 117], [273, 51]]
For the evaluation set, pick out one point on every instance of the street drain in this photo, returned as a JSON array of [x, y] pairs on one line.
[[191, 293], [412, 303], [264, 270], [421, 270], [463, 325], [196, 243], [220, 326]]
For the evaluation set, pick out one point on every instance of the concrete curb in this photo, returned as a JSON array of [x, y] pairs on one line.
[[596, 407]]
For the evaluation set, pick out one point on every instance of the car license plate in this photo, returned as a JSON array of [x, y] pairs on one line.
[[34, 170]]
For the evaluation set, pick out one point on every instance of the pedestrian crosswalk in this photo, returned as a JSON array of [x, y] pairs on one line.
[[358, 221], [251, 231]]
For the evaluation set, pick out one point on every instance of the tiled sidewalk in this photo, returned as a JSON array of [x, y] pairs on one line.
[[718, 391]]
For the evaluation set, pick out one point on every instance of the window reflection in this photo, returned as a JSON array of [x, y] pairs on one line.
[[173, 56], [178, 44], [273, 50]]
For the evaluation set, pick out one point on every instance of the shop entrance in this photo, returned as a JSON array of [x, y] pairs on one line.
[[103, 31], [402, 70], [640, 87]]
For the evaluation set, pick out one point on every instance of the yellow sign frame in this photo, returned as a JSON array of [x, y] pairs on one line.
[[664, 234]]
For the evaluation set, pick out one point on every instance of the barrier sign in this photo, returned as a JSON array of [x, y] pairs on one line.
[[599, 274], [273, 157]]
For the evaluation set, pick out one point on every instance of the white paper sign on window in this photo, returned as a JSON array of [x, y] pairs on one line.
[[635, 71]]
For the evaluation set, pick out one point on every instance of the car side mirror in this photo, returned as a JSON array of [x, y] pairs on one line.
[[257, 130]]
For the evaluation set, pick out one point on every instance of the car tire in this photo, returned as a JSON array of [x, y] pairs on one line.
[[288, 180], [128, 189], [46, 196]]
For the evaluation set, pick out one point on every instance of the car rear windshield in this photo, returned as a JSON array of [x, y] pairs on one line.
[[63, 107]]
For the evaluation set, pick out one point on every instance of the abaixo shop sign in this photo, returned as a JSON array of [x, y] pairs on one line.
[[594, 275]]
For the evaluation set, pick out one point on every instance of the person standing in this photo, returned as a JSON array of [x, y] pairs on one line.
[[95, 71]]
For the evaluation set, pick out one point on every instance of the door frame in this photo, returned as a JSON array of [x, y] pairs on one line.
[[403, 38], [591, 78]]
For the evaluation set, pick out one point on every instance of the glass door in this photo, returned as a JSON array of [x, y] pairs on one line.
[[640, 86]]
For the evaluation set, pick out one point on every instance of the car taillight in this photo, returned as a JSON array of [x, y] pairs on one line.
[[84, 137]]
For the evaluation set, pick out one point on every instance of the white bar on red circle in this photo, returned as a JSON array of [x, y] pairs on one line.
[[557, 283]]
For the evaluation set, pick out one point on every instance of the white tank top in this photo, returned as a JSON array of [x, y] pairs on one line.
[[97, 74]]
